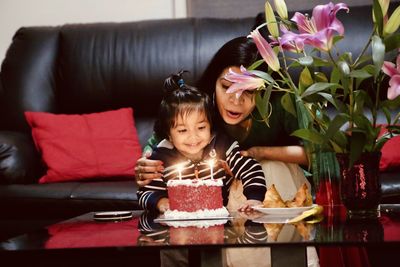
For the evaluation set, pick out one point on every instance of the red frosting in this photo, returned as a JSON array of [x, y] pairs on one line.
[[194, 198]]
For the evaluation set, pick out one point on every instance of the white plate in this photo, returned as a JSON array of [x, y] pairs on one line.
[[283, 212]]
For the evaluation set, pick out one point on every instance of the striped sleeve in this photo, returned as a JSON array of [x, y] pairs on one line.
[[249, 171], [150, 194]]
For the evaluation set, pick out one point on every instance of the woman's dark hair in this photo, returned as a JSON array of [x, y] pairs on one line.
[[236, 52], [180, 99]]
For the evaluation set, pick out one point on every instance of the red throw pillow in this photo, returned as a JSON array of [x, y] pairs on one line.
[[390, 159], [76, 147]]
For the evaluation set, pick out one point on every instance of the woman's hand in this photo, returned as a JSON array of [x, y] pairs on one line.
[[256, 152], [249, 204], [147, 169], [163, 205], [288, 154]]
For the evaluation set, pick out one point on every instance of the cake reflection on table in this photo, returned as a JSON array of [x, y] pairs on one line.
[[196, 232]]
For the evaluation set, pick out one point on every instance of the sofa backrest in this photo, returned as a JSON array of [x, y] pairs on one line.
[[84, 68]]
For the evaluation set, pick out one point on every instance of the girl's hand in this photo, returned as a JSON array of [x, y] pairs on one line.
[[147, 169], [163, 205], [249, 204]]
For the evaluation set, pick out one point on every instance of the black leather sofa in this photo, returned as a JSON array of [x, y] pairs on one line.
[[85, 68]]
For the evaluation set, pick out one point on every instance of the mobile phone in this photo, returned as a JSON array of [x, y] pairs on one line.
[[112, 215]]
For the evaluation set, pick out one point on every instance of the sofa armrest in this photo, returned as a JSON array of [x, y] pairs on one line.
[[19, 160]]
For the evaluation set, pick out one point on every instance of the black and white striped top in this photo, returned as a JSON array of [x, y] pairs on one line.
[[230, 165]]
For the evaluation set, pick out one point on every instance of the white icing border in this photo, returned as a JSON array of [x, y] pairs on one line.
[[197, 224], [200, 214], [195, 182]]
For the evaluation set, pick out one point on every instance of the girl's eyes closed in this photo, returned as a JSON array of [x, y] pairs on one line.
[[181, 130]]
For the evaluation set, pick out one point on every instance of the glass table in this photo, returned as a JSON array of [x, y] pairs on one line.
[[143, 239]]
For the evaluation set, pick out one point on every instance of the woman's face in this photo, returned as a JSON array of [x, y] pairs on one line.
[[233, 110]]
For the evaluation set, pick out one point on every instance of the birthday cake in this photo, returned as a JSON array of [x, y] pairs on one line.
[[195, 199]]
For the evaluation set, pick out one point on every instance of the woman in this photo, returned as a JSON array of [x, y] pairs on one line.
[[273, 146], [279, 153]]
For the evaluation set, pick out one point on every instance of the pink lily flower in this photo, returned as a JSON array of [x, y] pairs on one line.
[[393, 72], [319, 30], [242, 81], [266, 51], [291, 41]]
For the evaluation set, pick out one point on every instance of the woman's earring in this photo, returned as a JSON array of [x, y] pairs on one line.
[[213, 99]]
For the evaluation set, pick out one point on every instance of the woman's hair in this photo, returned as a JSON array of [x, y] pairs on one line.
[[180, 99], [236, 52]]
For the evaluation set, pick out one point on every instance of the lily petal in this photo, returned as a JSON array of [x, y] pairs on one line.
[[325, 17], [281, 9], [394, 87], [266, 51], [389, 68], [272, 25], [321, 26], [242, 81]]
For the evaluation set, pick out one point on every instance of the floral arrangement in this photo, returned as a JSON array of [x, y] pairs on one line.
[[350, 84]]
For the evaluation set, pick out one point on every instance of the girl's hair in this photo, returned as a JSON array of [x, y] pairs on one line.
[[236, 52], [180, 99]]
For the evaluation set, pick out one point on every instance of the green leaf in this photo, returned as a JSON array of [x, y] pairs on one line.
[[263, 75], [306, 61], [335, 75], [361, 73], [288, 105], [339, 142], [388, 114], [255, 65], [318, 87], [329, 98], [303, 115], [378, 16], [359, 97], [338, 121], [344, 68], [378, 53], [320, 77], [305, 79], [392, 42], [337, 38], [357, 142], [309, 135], [319, 62], [263, 104]]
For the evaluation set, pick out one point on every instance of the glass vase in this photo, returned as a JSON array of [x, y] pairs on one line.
[[326, 178], [360, 185]]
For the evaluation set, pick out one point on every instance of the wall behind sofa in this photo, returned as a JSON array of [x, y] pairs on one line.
[[17, 13]]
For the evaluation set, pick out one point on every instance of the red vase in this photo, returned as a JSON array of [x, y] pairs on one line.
[[360, 185]]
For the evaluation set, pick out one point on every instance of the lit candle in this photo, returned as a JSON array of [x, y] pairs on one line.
[[179, 168], [211, 163]]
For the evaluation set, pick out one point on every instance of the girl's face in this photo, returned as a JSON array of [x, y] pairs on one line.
[[232, 110], [191, 133]]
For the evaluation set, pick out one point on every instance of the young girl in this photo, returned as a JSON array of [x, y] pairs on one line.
[[185, 125]]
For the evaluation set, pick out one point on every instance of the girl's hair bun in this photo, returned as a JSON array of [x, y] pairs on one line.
[[174, 82]]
